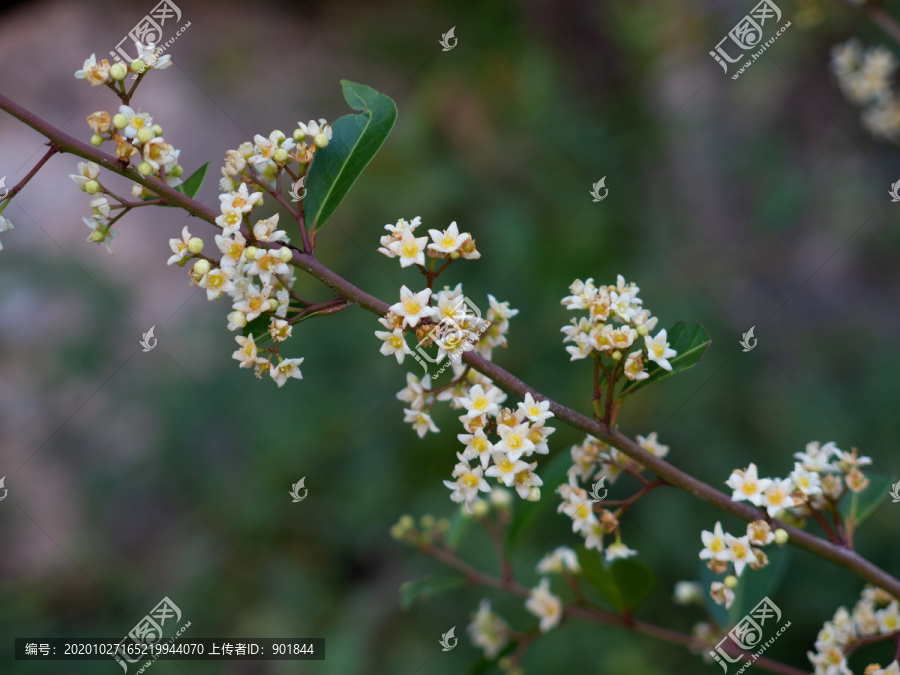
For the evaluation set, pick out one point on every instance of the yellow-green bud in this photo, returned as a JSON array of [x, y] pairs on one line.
[[617, 355], [642, 330], [98, 236], [176, 170], [501, 498], [321, 140], [201, 267], [120, 121], [195, 245], [280, 155], [480, 509], [118, 71], [92, 187], [534, 494], [781, 536], [277, 136], [250, 252], [299, 135], [144, 168], [273, 304], [406, 522], [730, 581], [138, 66], [182, 262], [157, 130], [286, 254], [145, 135], [96, 140], [427, 521]]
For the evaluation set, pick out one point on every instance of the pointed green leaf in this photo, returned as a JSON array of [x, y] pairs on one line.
[[194, 182], [624, 584], [423, 589], [354, 142], [690, 340]]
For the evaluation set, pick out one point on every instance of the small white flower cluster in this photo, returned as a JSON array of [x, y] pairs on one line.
[[103, 73], [488, 630], [616, 320], [401, 242], [864, 76], [265, 158], [822, 475], [722, 550], [545, 605], [521, 433], [876, 613]]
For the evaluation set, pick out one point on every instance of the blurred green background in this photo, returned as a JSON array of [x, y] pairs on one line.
[[133, 476]]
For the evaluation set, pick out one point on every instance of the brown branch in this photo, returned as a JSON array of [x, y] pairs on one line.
[[37, 167]]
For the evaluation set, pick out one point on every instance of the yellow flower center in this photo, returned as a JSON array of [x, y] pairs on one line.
[[137, 122], [480, 403], [505, 465], [239, 202], [215, 280], [522, 477], [776, 497], [739, 550], [471, 480], [448, 241], [410, 250], [412, 307], [235, 249], [396, 341], [479, 444], [749, 488], [256, 302], [534, 411], [514, 441], [582, 512], [716, 545]]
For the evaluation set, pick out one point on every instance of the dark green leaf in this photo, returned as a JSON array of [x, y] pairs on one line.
[[553, 475], [192, 185], [859, 506], [690, 340], [355, 141], [624, 584], [423, 589]]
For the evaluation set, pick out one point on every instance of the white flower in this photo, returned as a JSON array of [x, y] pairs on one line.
[[526, 480], [477, 445], [468, 484], [247, 353], [217, 281], [514, 441], [583, 294], [618, 550], [889, 618], [393, 344], [807, 482], [562, 559], [413, 307], [93, 72], [286, 369], [279, 329], [777, 496], [505, 468], [421, 421], [447, 241], [482, 402], [893, 668], [87, 171], [136, 121], [544, 605], [254, 302], [488, 631], [267, 230], [747, 485], [415, 391], [818, 458], [652, 445], [409, 248], [658, 350], [5, 226], [714, 546], [537, 412], [232, 248], [687, 593], [721, 594], [240, 200], [741, 552], [634, 366]]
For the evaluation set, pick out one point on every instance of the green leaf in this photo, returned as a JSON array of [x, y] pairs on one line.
[[192, 185], [459, 524], [259, 327], [690, 340], [423, 589], [858, 506], [553, 475], [624, 584], [354, 142]]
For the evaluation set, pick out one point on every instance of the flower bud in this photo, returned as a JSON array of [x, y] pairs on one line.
[[176, 171], [534, 494], [500, 498], [321, 140], [145, 135], [731, 581], [480, 509], [286, 254], [145, 169], [118, 71], [781, 536], [195, 245], [98, 236], [96, 140], [201, 267], [280, 156], [299, 135], [617, 355], [427, 521], [642, 330], [273, 304], [250, 252], [157, 130], [92, 187], [138, 66], [99, 122], [239, 319], [277, 136], [119, 121]]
